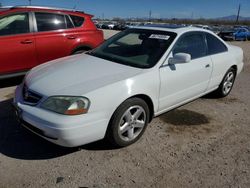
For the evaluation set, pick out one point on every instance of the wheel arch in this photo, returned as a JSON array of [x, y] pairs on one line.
[[82, 47], [148, 101], [235, 68]]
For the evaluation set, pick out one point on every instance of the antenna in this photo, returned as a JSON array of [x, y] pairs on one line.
[[238, 15]]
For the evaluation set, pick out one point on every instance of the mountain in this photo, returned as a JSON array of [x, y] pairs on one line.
[[233, 17]]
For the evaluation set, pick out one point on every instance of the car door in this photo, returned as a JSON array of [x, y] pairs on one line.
[[218, 53], [17, 45], [186, 81], [51, 40]]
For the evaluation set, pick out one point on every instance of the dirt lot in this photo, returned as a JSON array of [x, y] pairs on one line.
[[203, 144]]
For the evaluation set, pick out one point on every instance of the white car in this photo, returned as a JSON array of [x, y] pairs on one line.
[[115, 90]]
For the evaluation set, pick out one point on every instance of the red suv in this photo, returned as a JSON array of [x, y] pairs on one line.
[[30, 36]]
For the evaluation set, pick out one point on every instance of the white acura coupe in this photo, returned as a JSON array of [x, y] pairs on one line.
[[115, 90]]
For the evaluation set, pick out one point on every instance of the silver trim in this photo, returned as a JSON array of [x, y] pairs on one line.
[[41, 7]]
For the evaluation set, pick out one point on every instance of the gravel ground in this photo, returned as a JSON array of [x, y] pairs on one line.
[[205, 143]]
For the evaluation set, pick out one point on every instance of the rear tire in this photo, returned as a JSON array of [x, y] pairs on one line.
[[128, 123], [80, 50], [226, 85]]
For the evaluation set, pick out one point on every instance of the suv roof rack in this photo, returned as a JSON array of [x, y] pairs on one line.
[[40, 7]]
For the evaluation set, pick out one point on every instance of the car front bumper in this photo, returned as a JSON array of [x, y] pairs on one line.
[[67, 131]]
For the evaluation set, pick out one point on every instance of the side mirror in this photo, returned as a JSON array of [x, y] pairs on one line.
[[180, 58]]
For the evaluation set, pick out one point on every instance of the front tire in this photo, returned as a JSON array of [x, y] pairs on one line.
[[128, 123], [226, 84]]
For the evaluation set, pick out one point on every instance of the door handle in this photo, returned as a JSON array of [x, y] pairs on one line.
[[71, 37], [207, 66], [27, 41]]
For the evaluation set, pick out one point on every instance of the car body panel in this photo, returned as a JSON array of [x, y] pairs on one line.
[[182, 81], [16, 55]]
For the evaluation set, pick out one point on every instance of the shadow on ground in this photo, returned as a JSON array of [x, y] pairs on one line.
[[11, 82], [17, 142], [184, 117]]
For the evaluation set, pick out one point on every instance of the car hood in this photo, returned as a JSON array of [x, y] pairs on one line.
[[76, 75]]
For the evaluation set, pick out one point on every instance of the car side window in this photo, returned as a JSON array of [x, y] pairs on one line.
[[69, 22], [214, 45], [49, 21], [193, 44], [77, 20], [14, 24]]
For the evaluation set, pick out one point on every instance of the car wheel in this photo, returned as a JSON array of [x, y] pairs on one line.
[[226, 84], [79, 52], [129, 122]]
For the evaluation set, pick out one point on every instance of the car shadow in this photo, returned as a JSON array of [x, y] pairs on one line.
[[11, 81], [19, 143]]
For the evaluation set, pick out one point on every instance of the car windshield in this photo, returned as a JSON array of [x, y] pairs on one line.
[[141, 48]]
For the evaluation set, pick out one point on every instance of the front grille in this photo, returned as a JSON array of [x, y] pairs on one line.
[[29, 96]]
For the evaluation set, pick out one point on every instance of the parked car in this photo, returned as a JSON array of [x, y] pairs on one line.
[[30, 36], [227, 34], [104, 26], [120, 27], [115, 90], [241, 34]]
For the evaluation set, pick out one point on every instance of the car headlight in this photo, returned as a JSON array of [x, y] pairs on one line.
[[67, 105]]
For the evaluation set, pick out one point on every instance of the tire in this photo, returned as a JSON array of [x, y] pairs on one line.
[[78, 52], [128, 122], [226, 85], [81, 50]]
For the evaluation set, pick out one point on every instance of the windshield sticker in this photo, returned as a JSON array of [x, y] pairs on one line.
[[162, 37]]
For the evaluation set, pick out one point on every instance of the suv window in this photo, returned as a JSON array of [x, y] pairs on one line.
[[69, 22], [193, 44], [77, 20], [14, 24], [214, 45], [49, 21]]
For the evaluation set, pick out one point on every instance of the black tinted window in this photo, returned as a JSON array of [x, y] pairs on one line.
[[48, 22], [193, 44], [14, 24], [78, 21], [215, 46], [69, 22]]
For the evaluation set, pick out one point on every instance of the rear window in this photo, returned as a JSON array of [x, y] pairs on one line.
[[49, 22], [77, 20], [215, 46]]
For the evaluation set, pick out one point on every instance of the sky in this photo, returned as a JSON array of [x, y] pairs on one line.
[[141, 8]]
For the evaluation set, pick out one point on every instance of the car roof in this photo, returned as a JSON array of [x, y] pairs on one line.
[[179, 29], [43, 8]]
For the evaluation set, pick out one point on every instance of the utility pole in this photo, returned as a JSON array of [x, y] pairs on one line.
[[150, 15], [29, 2], [238, 15]]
